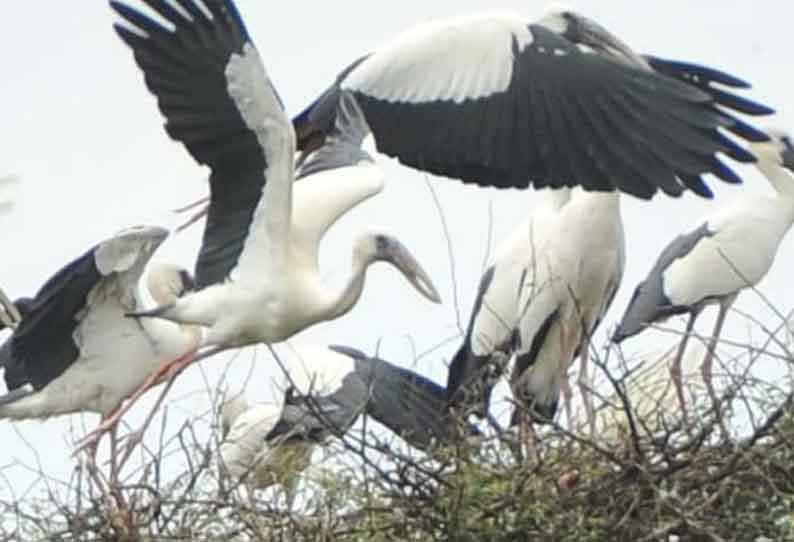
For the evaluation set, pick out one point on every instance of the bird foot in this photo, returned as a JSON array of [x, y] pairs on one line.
[[195, 217]]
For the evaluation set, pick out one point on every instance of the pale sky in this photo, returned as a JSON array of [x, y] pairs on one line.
[[86, 138]]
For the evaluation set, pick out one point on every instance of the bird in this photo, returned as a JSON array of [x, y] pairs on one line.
[[651, 396], [260, 448], [728, 251], [329, 386], [491, 334], [257, 272], [563, 298], [497, 100], [74, 349]]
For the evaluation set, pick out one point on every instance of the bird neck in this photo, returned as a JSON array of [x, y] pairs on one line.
[[779, 178], [344, 301]]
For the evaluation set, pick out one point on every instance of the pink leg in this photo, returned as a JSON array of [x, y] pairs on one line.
[[675, 369], [708, 360], [584, 384], [172, 367], [193, 205]]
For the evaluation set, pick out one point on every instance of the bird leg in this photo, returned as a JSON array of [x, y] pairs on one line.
[[706, 367], [567, 394], [584, 384], [675, 368], [9, 315], [530, 438], [155, 378], [196, 216]]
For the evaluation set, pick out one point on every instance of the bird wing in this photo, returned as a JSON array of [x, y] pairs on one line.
[[52, 333], [334, 178], [499, 102], [217, 100]]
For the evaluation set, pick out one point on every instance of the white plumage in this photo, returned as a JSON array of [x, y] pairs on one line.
[[564, 297], [730, 250], [75, 350], [250, 453]]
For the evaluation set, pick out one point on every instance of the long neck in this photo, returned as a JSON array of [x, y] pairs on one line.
[[351, 293], [779, 178]]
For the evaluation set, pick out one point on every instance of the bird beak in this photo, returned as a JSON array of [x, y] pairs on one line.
[[393, 251], [587, 32], [787, 156]]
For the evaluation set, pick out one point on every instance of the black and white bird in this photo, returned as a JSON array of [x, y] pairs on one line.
[[730, 250], [260, 448], [75, 350], [341, 383], [320, 394], [498, 100], [257, 272], [491, 334], [562, 299]]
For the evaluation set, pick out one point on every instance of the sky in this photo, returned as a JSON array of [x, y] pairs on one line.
[[86, 140]]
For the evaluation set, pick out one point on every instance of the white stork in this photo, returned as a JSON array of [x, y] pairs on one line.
[[497, 100], [257, 273], [563, 298], [491, 335], [75, 350], [730, 250]]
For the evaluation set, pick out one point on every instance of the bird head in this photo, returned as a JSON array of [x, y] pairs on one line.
[[779, 150], [168, 282], [585, 32], [381, 247]]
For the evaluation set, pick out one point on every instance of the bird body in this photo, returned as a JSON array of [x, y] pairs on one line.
[[257, 269], [75, 350], [565, 296], [731, 250], [257, 450], [490, 336]]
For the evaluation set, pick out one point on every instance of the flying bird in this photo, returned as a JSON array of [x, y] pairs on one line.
[[498, 100], [257, 272], [491, 335], [75, 350], [730, 250], [563, 298]]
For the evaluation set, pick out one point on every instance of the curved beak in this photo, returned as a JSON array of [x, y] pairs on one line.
[[787, 156], [394, 252]]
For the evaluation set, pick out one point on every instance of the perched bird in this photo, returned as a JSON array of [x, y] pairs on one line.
[[260, 448], [563, 298], [491, 334], [730, 250], [497, 100], [652, 397], [75, 350], [257, 272]]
